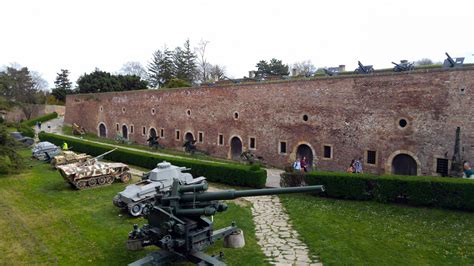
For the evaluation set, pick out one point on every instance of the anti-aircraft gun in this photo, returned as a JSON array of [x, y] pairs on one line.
[[403, 66], [363, 69], [93, 173], [450, 62], [178, 223]]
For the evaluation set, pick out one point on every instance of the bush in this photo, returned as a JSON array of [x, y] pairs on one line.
[[25, 130], [226, 173], [41, 119], [442, 192]]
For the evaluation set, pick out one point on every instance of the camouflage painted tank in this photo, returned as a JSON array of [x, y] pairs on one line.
[[68, 157], [158, 181], [93, 173]]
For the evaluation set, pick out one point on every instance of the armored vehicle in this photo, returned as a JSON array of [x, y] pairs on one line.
[[158, 181], [93, 173], [68, 157], [45, 150], [178, 223], [20, 138]]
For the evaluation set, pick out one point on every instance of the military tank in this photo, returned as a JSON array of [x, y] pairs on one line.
[[68, 157], [45, 150], [158, 181], [93, 173]]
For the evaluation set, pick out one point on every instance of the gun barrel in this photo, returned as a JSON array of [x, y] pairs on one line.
[[233, 194], [395, 63], [360, 64]]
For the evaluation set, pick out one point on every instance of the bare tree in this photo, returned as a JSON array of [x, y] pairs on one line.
[[203, 66], [134, 68], [39, 82], [424, 62], [304, 68], [217, 72]]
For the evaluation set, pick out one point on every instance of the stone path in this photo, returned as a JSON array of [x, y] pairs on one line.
[[276, 237]]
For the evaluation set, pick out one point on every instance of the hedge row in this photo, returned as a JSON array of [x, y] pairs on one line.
[[226, 173], [41, 119], [442, 192]]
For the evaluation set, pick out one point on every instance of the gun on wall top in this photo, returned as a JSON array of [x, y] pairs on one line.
[[403, 66], [363, 69], [450, 62], [178, 223]]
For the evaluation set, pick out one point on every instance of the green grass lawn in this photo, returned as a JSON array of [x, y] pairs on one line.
[[44, 221], [367, 233]]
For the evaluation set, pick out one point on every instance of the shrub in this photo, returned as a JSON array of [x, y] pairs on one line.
[[25, 130], [227, 173], [43, 118], [442, 192]]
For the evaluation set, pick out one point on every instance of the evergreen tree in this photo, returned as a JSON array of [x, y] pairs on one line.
[[190, 63], [62, 86], [161, 69], [275, 68]]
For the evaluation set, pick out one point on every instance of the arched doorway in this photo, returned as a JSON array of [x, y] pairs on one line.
[[235, 148], [102, 131], [188, 137], [404, 164], [152, 132], [124, 132], [304, 150]]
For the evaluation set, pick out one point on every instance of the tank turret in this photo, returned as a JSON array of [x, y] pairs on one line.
[[158, 181], [68, 157], [178, 223]]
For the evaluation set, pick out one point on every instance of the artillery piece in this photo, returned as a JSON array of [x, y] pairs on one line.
[[93, 173], [364, 69], [330, 72], [403, 66], [177, 222], [450, 62]]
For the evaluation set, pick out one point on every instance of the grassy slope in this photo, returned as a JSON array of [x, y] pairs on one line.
[[353, 232], [44, 221]]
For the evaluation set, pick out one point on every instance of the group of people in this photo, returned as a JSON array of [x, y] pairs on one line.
[[355, 166], [301, 165]]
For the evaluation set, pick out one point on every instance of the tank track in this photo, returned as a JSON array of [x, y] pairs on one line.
[[97, 181]]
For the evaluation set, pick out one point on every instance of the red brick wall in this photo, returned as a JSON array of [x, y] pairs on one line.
[[353, 114]]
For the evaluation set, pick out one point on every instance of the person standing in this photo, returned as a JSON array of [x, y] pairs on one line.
[[351, 168], [297, 165], [304, 165], [358, 165]]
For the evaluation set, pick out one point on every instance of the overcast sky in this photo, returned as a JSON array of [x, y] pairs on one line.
[[81, 35]]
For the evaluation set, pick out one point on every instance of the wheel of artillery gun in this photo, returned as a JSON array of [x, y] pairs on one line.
[[125, 177]]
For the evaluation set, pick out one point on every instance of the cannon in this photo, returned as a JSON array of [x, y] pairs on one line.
[[178, 222], [403, 66], [450, 62], [363, 69], [329, 72]]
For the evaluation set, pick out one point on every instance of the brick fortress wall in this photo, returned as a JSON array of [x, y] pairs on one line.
[[351, 115]]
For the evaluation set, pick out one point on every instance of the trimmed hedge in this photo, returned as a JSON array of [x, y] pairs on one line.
[[41, 119], [25, 130], [226, 173], [441, 192]]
